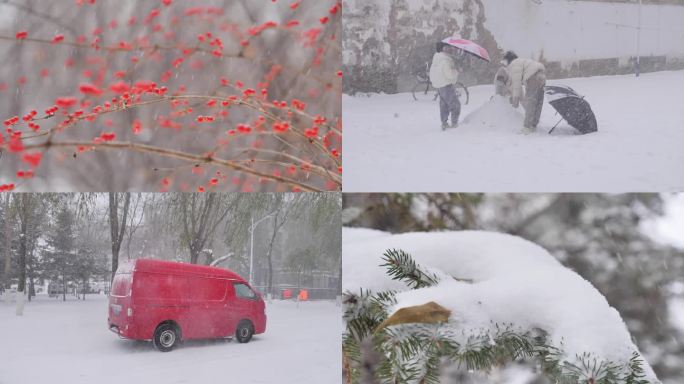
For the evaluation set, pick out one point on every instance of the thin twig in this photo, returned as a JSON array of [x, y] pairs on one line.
[[144, 148]]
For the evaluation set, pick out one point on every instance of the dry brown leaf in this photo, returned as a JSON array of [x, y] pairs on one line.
[[429, 313]]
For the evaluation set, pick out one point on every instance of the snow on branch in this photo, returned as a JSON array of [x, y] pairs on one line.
[[518, 304]]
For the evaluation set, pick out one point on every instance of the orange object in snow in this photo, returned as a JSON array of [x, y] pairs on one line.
[[303, 295]]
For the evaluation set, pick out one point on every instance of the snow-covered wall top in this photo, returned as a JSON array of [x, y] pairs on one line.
[[581, 30], [387, 42]]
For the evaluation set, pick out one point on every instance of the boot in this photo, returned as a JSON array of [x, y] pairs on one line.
[[528, 130]]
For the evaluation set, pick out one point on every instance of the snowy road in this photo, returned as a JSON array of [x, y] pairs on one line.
[[56, 342], [393, 143]]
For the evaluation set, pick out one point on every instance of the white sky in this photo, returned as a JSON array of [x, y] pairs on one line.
[[670, 228]]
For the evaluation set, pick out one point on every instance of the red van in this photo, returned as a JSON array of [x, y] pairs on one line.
[[167, 302]]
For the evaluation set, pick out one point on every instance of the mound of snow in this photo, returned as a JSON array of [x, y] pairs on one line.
[[514, 282], [496, 113]]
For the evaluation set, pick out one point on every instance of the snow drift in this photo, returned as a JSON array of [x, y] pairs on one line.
[[496, 114], [513, 282]]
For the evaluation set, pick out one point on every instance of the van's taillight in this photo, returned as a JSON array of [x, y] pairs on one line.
[[130, 312]]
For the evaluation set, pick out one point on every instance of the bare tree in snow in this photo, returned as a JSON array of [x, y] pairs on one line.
[[117, 228]]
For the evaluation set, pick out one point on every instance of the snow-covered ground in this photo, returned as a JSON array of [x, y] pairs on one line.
[[68, 342], [393, 143]]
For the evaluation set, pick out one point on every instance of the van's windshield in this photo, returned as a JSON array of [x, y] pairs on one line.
[[121, 286]]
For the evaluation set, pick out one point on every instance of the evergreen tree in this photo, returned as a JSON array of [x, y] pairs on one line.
[[85, 267], [61, 255], [302, 261]]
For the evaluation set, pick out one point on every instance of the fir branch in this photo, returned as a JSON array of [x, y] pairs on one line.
[[401, 266], [351, 355], [364, 312], [635, 373]]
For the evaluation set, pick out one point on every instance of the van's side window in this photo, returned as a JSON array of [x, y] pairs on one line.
[[243, 291]]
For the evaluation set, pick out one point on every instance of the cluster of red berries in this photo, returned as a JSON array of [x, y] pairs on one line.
[[205, 119]]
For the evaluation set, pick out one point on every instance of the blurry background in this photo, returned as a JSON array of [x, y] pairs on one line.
[[631, 247], [298, 62]]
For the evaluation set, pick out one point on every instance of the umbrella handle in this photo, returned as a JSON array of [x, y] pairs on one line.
[[554, 127]]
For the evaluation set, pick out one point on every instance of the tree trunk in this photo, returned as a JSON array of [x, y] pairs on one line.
[[131, 227], [269, 287], [117, 230], [200, 221], [269, 255], [20, 303], [114, 230], [29, 272], [64, 287], [32, 288], [23, 248], [339, 281], [25, 202], [8, 243], [194, 252]]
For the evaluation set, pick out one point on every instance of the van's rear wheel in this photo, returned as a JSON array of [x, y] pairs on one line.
[[165, 337], [244, 331]]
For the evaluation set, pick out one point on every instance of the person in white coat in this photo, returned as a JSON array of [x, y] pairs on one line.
[[531, 74], [443, 76]]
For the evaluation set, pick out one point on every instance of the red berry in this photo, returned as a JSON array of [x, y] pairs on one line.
[[119, 87], [90, 89], [65, 102], [137, 127], [33, 159]]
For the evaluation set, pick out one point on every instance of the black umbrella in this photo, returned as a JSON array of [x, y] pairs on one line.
[[574, 109]]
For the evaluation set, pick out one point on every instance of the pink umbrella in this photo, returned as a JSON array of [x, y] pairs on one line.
[[468, 46]]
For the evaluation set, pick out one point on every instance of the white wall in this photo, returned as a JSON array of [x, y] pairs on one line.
[[569, 31]]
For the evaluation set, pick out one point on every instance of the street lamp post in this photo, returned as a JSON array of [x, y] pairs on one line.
[[638, 60], [251, 244], [638, 28]]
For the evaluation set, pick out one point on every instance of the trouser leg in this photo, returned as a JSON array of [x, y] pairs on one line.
[[455, 109], [449, 104], [443, 106], [534, 99]]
